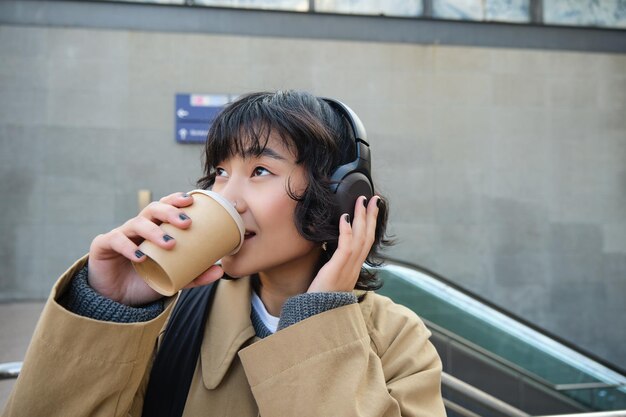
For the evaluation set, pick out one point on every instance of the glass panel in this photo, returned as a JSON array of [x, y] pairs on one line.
[[508, 10], [458, 9], [458, 313], [599, 398], [609, 13], [375, 7], [294, 5]]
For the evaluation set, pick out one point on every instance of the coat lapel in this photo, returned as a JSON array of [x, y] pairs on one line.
[[227, 329]]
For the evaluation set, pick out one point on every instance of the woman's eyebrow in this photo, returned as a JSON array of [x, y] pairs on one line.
[[268, 152]]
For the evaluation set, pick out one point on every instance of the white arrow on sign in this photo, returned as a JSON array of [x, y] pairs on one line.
[[182, 113], [182, 133]]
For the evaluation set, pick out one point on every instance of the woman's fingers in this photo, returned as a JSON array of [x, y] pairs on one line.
[[126, 238], [118, 241], [164, 212], [344, 244], [356, 238], [212, 274], [364, 226], [121, 244], [177, 199], [373, 208], [139, 229], [110, 271]]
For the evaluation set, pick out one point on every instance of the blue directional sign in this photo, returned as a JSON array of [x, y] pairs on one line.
[[195, 113]]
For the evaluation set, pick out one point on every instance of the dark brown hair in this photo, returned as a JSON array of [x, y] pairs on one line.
[[320, 138]]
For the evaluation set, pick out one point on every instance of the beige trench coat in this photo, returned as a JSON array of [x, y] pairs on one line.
[[366, 359]]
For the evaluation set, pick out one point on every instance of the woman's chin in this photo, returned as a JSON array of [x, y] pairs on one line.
[[233, 270]]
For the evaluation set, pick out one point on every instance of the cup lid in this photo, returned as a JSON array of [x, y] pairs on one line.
[[230, 209]]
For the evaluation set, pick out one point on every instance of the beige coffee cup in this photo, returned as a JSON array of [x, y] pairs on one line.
[[216, 230]]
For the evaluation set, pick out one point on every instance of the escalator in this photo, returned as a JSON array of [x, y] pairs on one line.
[[502, 355]]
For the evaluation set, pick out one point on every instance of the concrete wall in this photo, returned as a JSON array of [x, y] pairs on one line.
[[506, 168]]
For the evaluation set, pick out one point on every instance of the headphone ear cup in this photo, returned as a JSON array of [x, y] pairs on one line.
[[351, 187]]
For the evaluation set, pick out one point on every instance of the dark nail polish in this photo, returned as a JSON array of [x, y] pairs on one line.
[[347, 218], [379, 201], [183, 216], [365, 202], [167, 238], [139, 253]]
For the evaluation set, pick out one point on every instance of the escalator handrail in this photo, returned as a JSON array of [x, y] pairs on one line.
[[514, 368], [480, 397], [10, 370], [458, 409], [615, 413], [499, 309], [517, 370], [489, 401], [581, 386]]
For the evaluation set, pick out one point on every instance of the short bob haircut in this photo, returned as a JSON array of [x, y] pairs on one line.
[[320, 138]]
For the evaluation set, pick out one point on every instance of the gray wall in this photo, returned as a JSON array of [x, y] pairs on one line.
[[506, 168]]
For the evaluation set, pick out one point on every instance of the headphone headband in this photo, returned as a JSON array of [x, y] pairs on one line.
[[362, 161], [357, 126], [353, 179]]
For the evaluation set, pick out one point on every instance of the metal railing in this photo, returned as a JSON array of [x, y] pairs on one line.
[[586, 386], [492, 403], [478, 396], [559, 391], [618, 413], [10, 370]]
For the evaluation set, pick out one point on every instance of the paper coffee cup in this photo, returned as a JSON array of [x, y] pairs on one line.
[[216, 230]]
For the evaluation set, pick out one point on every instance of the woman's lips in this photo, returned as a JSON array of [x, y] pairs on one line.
[[248, 235]]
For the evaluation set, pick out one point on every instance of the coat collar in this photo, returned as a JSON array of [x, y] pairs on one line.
[[228, 327]]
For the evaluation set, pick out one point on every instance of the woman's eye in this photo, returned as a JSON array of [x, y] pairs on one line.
[[220, 172], [260, 171]]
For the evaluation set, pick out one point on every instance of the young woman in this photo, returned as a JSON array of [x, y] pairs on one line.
[[293, 331]]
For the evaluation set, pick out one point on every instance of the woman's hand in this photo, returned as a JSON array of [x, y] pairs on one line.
[[342, 271], [111, 272]]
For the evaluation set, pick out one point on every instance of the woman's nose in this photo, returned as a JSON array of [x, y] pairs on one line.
[[239, 205], [235, 198]]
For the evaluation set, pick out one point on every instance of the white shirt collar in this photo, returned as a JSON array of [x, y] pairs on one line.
[[268, 320]]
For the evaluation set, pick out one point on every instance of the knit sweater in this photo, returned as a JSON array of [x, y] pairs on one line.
[[80, 298]]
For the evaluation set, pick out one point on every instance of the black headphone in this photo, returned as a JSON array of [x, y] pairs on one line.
[[354, 179]]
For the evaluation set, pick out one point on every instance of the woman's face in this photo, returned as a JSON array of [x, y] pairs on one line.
[[258, 185]]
